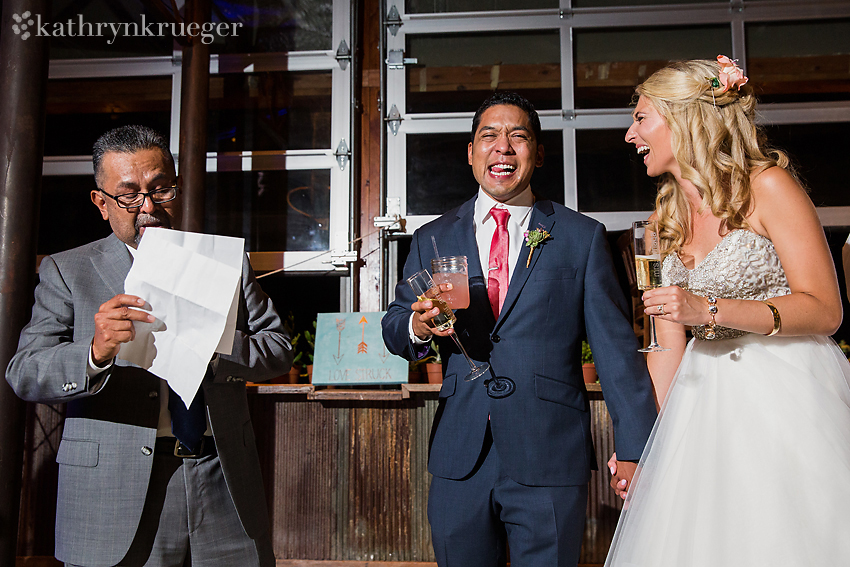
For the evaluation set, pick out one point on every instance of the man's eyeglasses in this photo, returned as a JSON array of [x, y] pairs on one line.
[[133, 200]]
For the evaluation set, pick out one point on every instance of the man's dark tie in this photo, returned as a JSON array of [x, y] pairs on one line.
[[188, 425], [497, 273]]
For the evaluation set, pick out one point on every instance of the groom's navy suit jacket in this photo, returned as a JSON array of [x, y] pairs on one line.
[[567, 292]]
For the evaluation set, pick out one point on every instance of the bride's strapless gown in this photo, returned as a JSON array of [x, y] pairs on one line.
[[749, 461]]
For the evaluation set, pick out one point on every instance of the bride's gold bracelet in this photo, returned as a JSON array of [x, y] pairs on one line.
[[712, 311], [777, 321]]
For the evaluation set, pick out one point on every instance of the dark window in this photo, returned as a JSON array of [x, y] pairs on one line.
[[272, 210], [611, 176], [269, 111], [799, 62], [456, 72], [611, 63], [79, 111]]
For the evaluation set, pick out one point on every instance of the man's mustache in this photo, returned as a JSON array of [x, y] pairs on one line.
[[145, 219]]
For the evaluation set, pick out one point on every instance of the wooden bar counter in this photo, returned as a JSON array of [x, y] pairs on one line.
[[345, 474]]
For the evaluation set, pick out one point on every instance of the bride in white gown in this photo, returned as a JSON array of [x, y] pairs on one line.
[[749, 461]]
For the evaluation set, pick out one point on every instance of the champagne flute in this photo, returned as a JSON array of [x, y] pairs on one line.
[[648, 269], [424, 287]]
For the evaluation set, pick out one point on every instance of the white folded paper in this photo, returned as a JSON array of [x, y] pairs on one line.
[[191, 284]]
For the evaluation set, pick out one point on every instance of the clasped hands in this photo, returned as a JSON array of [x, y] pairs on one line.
[[424, 311], [672, 303], [622, 473]]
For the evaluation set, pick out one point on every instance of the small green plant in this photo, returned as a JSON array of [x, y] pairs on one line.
[[845, 348], [586, 355], [304, 345]]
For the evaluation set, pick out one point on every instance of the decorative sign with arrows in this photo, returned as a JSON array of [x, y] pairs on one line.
[[350, 350]]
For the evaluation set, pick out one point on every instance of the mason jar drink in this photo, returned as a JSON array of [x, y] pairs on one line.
[[453, 270]]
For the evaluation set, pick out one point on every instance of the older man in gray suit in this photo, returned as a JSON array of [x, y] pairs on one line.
[[131, 491]]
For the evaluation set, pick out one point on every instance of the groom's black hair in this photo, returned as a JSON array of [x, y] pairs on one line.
[[514, 99]]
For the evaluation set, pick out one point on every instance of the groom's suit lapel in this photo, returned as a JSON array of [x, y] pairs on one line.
[[542, 217], [112, 262]]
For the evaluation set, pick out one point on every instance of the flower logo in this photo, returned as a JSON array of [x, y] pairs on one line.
[[22, 23]]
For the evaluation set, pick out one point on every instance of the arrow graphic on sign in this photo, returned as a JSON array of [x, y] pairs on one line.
[[363, 347], [340, 325]]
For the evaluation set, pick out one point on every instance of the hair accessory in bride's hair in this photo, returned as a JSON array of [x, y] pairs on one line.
[[730, 77]]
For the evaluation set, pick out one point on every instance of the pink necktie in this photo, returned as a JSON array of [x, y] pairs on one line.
[[497, 274]]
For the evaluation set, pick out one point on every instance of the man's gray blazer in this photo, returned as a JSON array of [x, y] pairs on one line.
[[105, 455]]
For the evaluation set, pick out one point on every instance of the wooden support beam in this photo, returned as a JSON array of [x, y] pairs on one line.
[[22, 103]]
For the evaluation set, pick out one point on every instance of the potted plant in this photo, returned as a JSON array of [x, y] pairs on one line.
[[588, 368], [431, 367]]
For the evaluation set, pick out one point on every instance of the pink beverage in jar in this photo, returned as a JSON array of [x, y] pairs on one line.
[[453, 270]]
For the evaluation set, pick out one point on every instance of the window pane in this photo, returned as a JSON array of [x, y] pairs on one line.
[[68, 218], [611, 176], [602, 3], [799, 62], [274, 25], [138, 28], [456, 72], [611, 63], [440, 6], [75, 33], [271, 210], [819, 153], [269, 111], [439, 177], [79, 111]]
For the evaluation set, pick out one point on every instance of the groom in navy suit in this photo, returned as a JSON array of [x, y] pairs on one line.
[[511, 452]]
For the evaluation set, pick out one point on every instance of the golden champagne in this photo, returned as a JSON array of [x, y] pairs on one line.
[[445, 318], [648, 272]]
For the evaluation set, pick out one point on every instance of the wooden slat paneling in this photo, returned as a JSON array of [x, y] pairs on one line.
[[346, 480]]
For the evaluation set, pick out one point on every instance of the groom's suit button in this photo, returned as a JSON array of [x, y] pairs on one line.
[[495, 338]]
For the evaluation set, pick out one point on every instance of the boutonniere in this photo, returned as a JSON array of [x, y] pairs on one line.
[[533, 239]]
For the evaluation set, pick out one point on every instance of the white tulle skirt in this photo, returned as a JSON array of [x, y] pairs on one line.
[[748, 463]]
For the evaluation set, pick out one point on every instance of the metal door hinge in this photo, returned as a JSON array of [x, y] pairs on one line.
[[343, 55], [342, 154], [393, 21], [394, 119]]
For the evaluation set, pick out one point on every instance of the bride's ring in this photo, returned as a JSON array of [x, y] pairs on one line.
[[661, 310]]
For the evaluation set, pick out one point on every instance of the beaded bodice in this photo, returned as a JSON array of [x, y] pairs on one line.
[[743, 265]]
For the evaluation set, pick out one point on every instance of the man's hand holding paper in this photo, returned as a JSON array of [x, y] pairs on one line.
[[114, 326], [191, 282]]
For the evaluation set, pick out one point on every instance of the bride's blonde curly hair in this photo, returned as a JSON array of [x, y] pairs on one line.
[[716, 143]]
